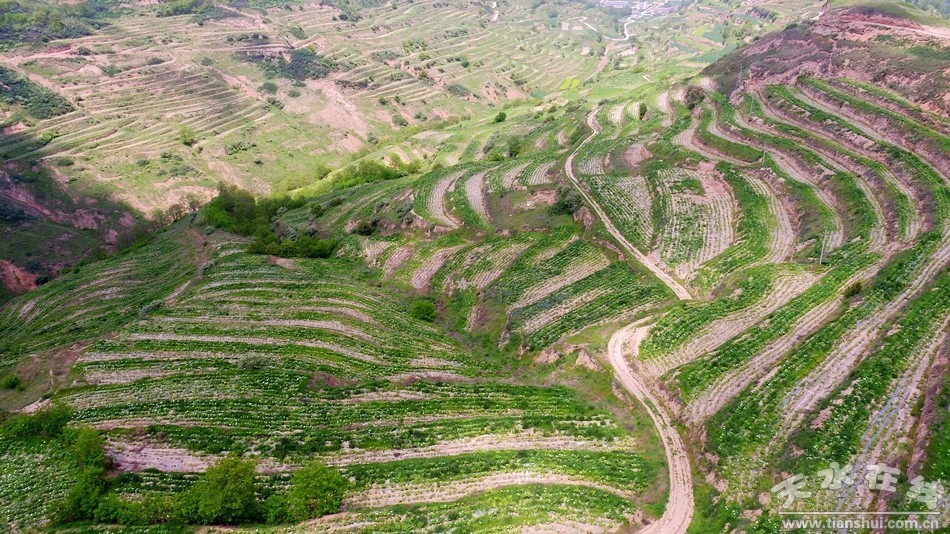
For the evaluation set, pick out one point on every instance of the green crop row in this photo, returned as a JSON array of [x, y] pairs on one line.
[[752, 417], [838, 436], [857, 210], [464, 209], [244, 434], [619, 290], [913, 128], [527, 271], [899, 201], [34, 474], [752, 230], [689, 318], [814, 216], [888, 96], [940, 192], [623, 470], [620, 469], [510, 508], [97, 298], [741, 152], [695, 377], [480, 257]]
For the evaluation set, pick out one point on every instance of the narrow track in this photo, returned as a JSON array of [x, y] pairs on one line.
[[677, 288], [679, 509]]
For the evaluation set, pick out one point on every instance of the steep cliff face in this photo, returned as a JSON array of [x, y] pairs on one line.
[[47, 226], [886, 47]]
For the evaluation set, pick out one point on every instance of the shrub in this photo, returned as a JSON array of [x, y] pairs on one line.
[[458, 90], [301, 247], [852, 290], [304, 64], [83, 498], [569, 201], [254, 363], [321, 171], [268, 87], [694, 95], [315, 490], [501, 116], [238, 147], [151, 509], [87, 447], [275, 509], [367, 171], [48, 423], [225, 494], [9, 214], [236, 210], [315, 247], [183, 7], [365, 227], [12, 381], [150, 307], [187, 136], [423, 310]]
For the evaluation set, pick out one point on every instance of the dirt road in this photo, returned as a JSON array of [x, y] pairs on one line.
[[677, 288], [679, 508]]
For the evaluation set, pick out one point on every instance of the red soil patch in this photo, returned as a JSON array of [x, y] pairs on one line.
[[15, 279]]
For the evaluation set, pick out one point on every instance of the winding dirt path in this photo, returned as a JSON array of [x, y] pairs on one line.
[[677, 288], [679, 508]]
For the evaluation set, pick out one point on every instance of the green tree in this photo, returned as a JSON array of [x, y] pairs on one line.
[[569, 201], [87, 446], [187, 136], [694, 95], [423, 310], [501, 116], [83, 498], [49, 423], [12, 381], [315, 490], [225, 494]]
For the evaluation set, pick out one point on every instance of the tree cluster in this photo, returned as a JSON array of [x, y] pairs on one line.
[[236, 210], [38, 101], [227, 493]]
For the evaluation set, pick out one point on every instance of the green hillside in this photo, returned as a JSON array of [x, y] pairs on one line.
[[471, 266]]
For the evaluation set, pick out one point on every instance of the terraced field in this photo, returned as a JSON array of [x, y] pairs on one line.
[[486, 267], [301, 359]]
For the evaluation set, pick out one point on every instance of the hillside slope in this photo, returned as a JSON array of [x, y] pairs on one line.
[[637, 302]]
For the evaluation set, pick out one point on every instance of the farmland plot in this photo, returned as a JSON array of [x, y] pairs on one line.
[[699, 223], [628, 200]]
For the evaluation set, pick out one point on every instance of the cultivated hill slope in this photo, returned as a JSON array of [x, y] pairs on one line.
[[146, 107], [304, 359], [845, 119], [758, 252]]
